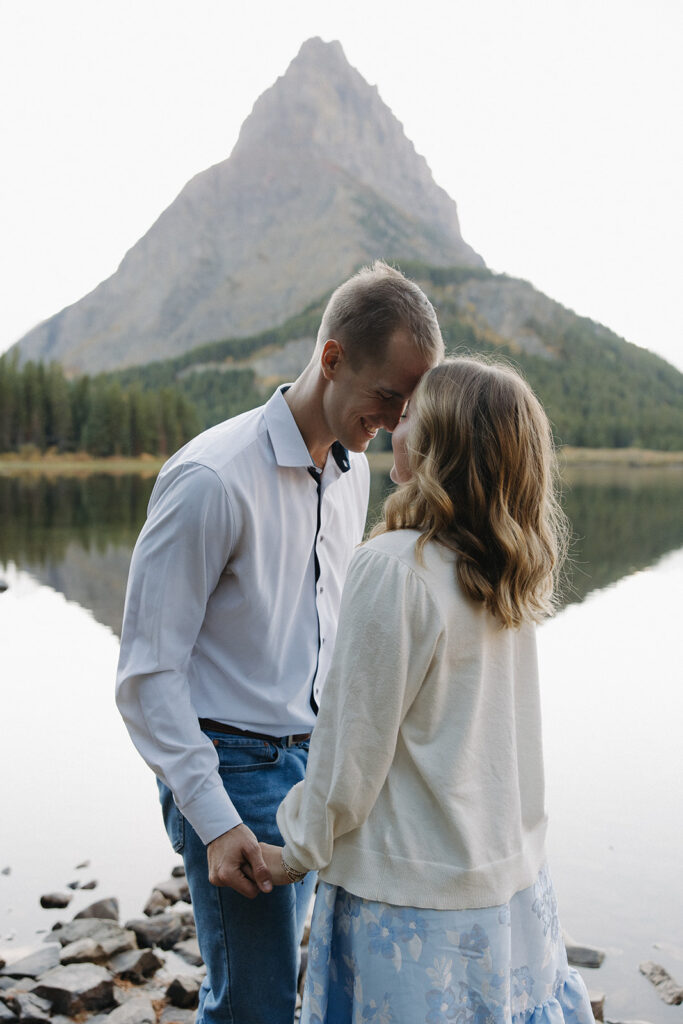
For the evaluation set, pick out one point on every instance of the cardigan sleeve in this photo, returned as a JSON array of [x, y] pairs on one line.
[[389, 628]]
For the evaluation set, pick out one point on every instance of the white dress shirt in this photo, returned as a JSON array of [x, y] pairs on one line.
[[224, 618]]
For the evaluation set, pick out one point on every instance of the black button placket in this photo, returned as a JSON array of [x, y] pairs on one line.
[[341, 457], [315, 473]]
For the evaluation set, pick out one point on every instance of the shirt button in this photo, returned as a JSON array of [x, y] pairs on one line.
[[321, 590], [321, 538]]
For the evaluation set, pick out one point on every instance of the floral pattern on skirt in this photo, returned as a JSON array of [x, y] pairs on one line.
[[376, 963]]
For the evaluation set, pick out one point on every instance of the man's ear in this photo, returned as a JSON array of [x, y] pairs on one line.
[[331, 358]]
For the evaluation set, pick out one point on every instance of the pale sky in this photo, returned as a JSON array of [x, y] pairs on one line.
[[554, 124]]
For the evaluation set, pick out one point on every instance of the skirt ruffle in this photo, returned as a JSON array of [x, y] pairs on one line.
[[569, 1005]]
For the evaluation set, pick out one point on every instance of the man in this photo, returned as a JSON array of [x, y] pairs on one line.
[[230, 620]]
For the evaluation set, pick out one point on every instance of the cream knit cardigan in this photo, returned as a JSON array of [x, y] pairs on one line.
[[425, 778]]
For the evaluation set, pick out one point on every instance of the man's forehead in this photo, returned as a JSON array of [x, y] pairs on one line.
[[400, 379]]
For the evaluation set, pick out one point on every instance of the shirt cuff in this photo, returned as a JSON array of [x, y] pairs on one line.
[[291, 860], [211, 814]]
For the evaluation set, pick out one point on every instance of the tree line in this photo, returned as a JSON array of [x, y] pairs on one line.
[[41, 409], [598, 390]]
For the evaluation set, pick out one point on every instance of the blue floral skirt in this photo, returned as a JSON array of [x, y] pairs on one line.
[[384, 964]]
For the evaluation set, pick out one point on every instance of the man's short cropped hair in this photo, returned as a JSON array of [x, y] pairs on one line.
[[365, 311]]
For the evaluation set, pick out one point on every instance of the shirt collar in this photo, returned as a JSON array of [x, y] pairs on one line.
[[285, 437]]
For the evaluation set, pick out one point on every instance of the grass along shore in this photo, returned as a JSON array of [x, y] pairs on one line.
[[632, 458], [80, 463]]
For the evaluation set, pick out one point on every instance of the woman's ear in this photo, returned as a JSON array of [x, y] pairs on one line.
[[331, 358]]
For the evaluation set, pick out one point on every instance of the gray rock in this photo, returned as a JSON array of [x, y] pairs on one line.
[[186, 917], [119, 943], [56, 899], [6, 1014], [92, 884], [135, 965], [174, 1015], [164, 930], [135, 1011], [83, 864], [83, 951], [77, 987], [30, 1008], [107, 909], [188, 949], [125, 991], [178, 871], [3, 586], [13, 985], [34, 964], [667, 989], [597, 1004], [6, 871], [73, 885], [185, 913], [174, 889], [111, 936], [6, 983], [156, 904], [183, 991], [584, 956]]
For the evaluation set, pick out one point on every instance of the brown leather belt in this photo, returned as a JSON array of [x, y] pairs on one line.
[[232, 730]]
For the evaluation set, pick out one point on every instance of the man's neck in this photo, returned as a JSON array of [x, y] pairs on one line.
[[304, 399]]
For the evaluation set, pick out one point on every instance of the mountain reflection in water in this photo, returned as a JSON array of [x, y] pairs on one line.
[[76, 534]]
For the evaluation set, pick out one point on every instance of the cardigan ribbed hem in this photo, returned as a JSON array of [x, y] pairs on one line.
[[385, 878]]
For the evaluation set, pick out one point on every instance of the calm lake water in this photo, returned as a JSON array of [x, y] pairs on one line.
[[73, 788]]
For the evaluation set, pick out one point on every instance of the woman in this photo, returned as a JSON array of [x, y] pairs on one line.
[[423, 803]]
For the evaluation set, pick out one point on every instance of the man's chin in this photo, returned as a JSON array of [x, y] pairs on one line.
[[356, 443]]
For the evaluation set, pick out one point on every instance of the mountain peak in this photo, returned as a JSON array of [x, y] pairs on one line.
[[322, 179], [324, 111], [318, 86], [316, 49]]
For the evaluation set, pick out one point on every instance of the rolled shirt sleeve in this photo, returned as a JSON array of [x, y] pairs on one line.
[[389, 629], [178, 560]]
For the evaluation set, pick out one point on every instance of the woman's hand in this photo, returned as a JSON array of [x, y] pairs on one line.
[[273, 858]]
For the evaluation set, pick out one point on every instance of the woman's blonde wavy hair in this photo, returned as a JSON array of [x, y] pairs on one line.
[[484, 483]]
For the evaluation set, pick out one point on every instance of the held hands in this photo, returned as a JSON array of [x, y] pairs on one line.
[[238, 861], [272, 856], [235, 861]]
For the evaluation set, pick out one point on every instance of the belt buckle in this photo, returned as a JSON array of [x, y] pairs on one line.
[[289, 741]]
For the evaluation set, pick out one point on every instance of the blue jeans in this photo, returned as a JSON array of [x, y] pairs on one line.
[[250, 947]]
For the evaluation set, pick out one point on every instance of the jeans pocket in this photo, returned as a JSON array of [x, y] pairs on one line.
[[240, 754], [174, 822]]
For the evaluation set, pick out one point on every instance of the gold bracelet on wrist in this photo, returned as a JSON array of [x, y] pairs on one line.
[[292, 874]]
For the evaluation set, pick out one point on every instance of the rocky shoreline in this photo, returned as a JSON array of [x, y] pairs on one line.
[[149, 970], [93, 969]]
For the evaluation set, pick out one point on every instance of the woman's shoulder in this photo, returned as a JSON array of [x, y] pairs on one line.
[[402, 546], [396, 543]]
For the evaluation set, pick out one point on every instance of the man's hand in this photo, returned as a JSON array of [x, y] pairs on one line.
[[235, 861], [272, 855]]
